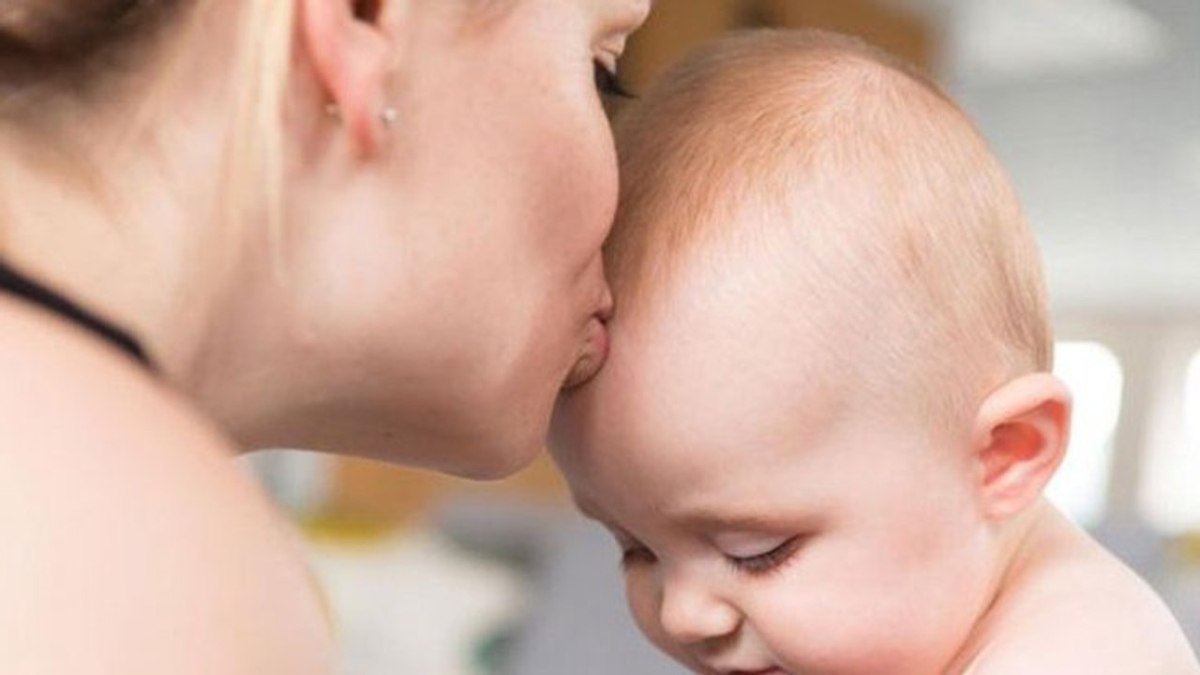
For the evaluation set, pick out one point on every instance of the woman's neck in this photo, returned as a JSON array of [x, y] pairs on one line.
[[117, 229]]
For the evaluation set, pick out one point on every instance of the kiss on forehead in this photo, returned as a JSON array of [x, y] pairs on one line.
[[827, 417]]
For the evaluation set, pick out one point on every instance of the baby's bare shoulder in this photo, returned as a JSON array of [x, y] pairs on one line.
[[1096, 617]]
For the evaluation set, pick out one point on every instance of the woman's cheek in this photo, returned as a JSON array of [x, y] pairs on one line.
[[580, 187]]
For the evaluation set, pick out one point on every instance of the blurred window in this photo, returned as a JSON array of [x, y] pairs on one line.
[[1170, 494], [1093, 374]]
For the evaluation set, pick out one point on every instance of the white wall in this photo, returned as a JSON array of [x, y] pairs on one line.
[[1106, 157]]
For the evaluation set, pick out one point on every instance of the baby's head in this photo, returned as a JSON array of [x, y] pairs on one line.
[[827, 415]]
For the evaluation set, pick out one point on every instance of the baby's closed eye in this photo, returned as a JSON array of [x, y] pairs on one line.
[[767, 561], [741, 558]]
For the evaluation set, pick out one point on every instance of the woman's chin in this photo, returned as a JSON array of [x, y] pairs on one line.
[[499, 444], [493, 461]]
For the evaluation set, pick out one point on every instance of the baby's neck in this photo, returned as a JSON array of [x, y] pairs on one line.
[[1043, 543]]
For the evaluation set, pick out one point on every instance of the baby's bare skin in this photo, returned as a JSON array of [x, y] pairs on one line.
[[828, 419], [1069, 606], [777, 517]]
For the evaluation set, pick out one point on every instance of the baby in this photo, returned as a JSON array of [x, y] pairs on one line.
[[828, 418]]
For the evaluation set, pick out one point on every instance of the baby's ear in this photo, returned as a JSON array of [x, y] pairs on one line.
[[1019, 438]]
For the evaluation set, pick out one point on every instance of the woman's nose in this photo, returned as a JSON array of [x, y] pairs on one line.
[[692, 614]]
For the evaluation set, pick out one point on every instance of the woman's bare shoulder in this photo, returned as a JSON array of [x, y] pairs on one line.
[[131, 543]]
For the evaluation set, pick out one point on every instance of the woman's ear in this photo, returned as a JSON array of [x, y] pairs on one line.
[[349, 53], [1019, 439]]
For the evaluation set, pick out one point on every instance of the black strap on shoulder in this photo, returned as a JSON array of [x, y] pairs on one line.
[[23, 287]]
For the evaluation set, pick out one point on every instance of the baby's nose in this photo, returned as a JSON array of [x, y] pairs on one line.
[[690, 613]]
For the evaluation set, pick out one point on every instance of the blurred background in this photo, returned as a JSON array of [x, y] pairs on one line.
[[1093, 106]]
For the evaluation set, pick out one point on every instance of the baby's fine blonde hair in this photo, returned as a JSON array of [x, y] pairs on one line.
[[882, 189]]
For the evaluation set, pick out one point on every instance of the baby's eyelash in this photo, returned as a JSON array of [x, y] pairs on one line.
[[767, 562]]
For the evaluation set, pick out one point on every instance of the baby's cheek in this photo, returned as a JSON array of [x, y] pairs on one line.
[[846, 642], [855, 621], [643, 600], [642, 604]]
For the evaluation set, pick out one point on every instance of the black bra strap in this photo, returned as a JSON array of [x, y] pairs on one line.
[[28, 289]]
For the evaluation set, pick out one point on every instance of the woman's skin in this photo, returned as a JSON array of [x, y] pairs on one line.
[[431, 287]]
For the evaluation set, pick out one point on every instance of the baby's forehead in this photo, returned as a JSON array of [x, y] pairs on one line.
[[755, 302], [709, 400], [738, 343], [722, 346]]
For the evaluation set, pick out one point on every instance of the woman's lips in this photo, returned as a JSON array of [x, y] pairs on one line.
[[595, 351]]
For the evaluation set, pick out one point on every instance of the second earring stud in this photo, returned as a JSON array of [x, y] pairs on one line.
[[388, 116]]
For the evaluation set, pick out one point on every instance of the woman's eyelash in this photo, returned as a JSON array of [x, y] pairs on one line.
[[607, 82], [767, 562]]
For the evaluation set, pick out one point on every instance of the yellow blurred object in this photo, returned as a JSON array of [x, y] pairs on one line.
[[367, 492], [331, 527], [1186, 549]]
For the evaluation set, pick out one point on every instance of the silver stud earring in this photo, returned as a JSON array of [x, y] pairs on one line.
[[388, 116]]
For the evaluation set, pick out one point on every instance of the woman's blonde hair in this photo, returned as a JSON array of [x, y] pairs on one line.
[[55, 53], [252, 188]]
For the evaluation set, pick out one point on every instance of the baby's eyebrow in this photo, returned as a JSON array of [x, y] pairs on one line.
[[712, 518]]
